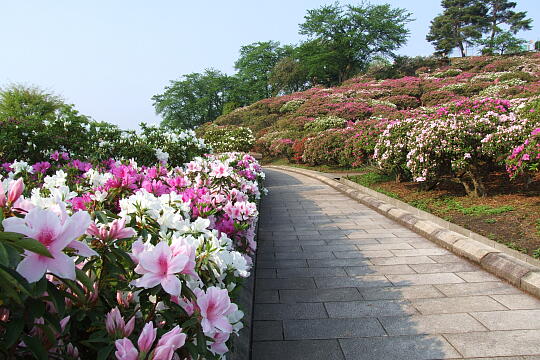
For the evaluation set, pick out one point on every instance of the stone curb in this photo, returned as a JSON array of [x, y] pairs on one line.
[[502, 262]]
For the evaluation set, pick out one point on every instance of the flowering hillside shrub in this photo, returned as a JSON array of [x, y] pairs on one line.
[[125, 261], [228, 138], [525, 157], [464, 139], [325, 123]]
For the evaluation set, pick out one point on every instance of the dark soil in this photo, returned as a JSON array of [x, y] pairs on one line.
[[510, 214]]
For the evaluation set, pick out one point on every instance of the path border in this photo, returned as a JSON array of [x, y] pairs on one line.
[[519, 269]]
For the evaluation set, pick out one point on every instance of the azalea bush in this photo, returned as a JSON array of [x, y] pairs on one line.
[[466, 140], [525, 158], [118, 260], [228, 138]]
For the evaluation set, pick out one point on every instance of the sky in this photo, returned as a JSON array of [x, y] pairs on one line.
[[109, 57]]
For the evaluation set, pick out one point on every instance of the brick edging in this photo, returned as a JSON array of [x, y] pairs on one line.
[[496, 260]]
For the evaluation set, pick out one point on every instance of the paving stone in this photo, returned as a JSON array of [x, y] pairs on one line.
[[430, 324], [420, 252], [310, 272], [289, 311], [275, 284], [357, 281], [267, 330], [304, 255], [378, 270], [416, 347], [518, 301], [496, 343], [403, 260], [271, 264], [363, 254], [266, 296], [266, 273], [485, 288], [330, 248], [477, 276], [509, 320], [425, 279], [392, 246], [401, 292], [456, 305], [320, 295], [441, 268], [338, 262], [352, 309], [297, 350], [332, 328], [450, 258]]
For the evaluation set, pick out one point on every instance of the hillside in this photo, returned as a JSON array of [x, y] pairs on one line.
[[280, 122]]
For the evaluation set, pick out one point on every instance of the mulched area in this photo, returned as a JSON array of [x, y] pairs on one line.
[[510, 214]]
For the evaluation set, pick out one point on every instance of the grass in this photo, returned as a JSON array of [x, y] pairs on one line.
[[370, 178]]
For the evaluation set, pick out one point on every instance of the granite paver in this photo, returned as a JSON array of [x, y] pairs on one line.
[[336, 280]]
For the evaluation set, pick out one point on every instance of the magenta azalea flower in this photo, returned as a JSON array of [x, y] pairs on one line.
[[46, 227], [160, 266]]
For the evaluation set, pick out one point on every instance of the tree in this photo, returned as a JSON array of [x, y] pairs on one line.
[[288, 76], [255, 65], [501, 12], [194, 100], [504, 42], [537, 46], [341, 41], [461, 23], [28, 103]]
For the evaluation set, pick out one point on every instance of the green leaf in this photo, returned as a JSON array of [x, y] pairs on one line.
[[14, 329], [26, 243], [56, 298], [35, 346], [201, 342], [84, 279], [4, 258], [103, 353]]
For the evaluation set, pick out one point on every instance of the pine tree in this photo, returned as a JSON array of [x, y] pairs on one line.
[[501, 12], [461, 23]]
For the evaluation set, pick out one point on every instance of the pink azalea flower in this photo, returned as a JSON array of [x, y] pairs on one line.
[[168, 344], [15, 190], [125, 350], [117, 230], [215, 305], [147, 337], [3, 199], [160, 266], [116, 326], [46, 227]]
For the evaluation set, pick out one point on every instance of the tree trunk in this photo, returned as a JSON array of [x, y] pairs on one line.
[[461, 49], [472, 182]]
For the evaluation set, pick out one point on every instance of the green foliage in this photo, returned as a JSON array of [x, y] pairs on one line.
[[255, 65], [370, 178], [343, 40], [503, 42], [288, 76], [194, 100]]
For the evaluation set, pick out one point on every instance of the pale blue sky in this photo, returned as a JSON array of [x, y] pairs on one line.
[[109, 57]]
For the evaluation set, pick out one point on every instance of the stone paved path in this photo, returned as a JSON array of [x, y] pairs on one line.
[[336, 280]]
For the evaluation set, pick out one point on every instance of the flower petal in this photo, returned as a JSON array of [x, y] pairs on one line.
[[74, 227], [147, 281], [172, 285], [62, 266], [32, 267], [82, 248]]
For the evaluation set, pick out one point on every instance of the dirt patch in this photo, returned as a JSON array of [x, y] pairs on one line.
[[510, 214]]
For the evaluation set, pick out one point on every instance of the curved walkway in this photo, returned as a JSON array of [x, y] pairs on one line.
[[335, 280]]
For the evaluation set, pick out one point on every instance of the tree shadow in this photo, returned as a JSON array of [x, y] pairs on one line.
[[323, 289]]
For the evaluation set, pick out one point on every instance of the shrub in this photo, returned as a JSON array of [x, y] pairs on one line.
[[228, 138], [403, 101], [326, 148], [325, 123]]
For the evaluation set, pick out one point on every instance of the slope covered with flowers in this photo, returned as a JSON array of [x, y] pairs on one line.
[[118, 260], [460, 119]]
